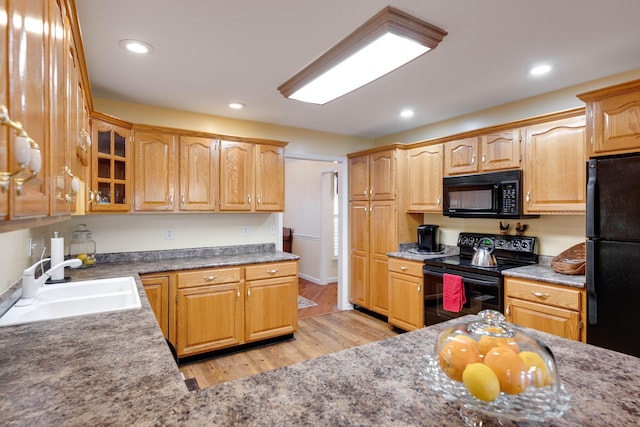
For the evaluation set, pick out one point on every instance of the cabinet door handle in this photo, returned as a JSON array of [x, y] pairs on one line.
[[528, 198], [238, 294], [210, 277], [403, 268], [182, 199], [366, 192], [508, 310], [171, 200], [249, 198], [259, 200], [540, 295], [484, 158], [439, 200], [473, 159], [272, 271], [371, 191], [248, 293], [419, 288]]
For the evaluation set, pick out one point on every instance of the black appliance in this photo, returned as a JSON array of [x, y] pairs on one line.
[[484, 286], [613, 253], [486, 195], [428, 238]]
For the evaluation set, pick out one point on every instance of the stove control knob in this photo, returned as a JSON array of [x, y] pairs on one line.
[[500, 243], [525, 245], [515, 244]]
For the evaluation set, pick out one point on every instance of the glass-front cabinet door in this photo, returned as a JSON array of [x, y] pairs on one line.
[[110, 181]]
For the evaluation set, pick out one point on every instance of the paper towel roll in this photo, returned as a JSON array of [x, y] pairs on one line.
[[57, 256]]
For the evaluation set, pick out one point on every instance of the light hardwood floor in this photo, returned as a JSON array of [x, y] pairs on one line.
[[322, 329]]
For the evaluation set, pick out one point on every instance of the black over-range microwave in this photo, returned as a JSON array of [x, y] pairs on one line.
[[486, 195]]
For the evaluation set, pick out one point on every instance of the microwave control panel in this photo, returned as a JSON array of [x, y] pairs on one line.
[[509, 198]]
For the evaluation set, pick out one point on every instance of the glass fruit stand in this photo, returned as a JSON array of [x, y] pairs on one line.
[[496, 372]]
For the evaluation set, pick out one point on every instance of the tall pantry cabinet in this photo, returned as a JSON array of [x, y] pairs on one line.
[[377, 222]]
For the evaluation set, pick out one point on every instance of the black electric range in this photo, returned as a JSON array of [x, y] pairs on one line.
[[484, 286]]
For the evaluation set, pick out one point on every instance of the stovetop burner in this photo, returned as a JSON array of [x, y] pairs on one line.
[[510, 252]]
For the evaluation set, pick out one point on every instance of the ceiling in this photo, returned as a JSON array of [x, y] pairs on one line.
[[211, 52]]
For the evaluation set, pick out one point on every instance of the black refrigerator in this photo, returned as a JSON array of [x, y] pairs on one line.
[[613, 253]]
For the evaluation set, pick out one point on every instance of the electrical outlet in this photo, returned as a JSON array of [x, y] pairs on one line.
[[168, 234], [245, 230], [272, 230]]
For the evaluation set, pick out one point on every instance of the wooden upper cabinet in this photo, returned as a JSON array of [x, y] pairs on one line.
[[28, 70], [489, 152], [373, 176], [199, 159], [425, 168], [554, 172], [500, 150], [236, 176], [154, 177], [613, 119], [461, 157], [269, 185], [111, 162]]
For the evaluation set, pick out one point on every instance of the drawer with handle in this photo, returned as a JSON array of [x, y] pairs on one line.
[[412, 268], [269, 270], [559, 296], [209, 276]]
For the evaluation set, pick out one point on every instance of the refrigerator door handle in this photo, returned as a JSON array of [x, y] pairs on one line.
[[592, 202], [592, 298]]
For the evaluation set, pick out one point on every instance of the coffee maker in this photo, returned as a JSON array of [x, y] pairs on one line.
[[428, 238]]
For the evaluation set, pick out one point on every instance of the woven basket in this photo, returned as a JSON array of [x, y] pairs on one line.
[[572, 261]]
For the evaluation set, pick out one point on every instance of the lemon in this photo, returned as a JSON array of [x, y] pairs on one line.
[[82, 257], [481, 381], [540, 376], [89, 261]]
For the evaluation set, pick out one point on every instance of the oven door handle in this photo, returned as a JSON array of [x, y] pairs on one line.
[[465, 279]]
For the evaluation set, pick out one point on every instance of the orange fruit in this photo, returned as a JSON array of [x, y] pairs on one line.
[[456, 354], [538, 370], [481, 381], [511, 370], [487, 342]]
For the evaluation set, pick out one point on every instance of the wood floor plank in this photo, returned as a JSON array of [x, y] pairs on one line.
[[327, 332]]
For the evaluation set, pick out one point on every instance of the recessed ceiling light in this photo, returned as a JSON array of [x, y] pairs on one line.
[[407, 113], [540, 69], [236, 105], [136, 46]]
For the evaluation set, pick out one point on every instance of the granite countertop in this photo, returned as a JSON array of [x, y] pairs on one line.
[[116, 369], [103, 369], [380, 384]]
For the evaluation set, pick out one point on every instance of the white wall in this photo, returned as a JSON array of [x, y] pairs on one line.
[[306, 200]]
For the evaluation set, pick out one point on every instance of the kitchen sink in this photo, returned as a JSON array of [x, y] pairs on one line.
[[76, 299]]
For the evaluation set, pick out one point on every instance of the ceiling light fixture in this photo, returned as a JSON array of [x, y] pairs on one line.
[[407, 113], [541, 69], [387, 41], [136, 46], [236, 105]]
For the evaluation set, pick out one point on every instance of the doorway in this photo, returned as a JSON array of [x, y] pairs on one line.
[[316, 211]]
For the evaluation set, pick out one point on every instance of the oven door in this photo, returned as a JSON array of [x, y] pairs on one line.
[[483, 292]]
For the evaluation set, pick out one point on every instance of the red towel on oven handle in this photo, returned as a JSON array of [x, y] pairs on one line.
[[453, 297]]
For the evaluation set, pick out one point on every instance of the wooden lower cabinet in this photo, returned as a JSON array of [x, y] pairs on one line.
[[555, 309], [224, 307], [157, 290], [209, 317], [406, 294]]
